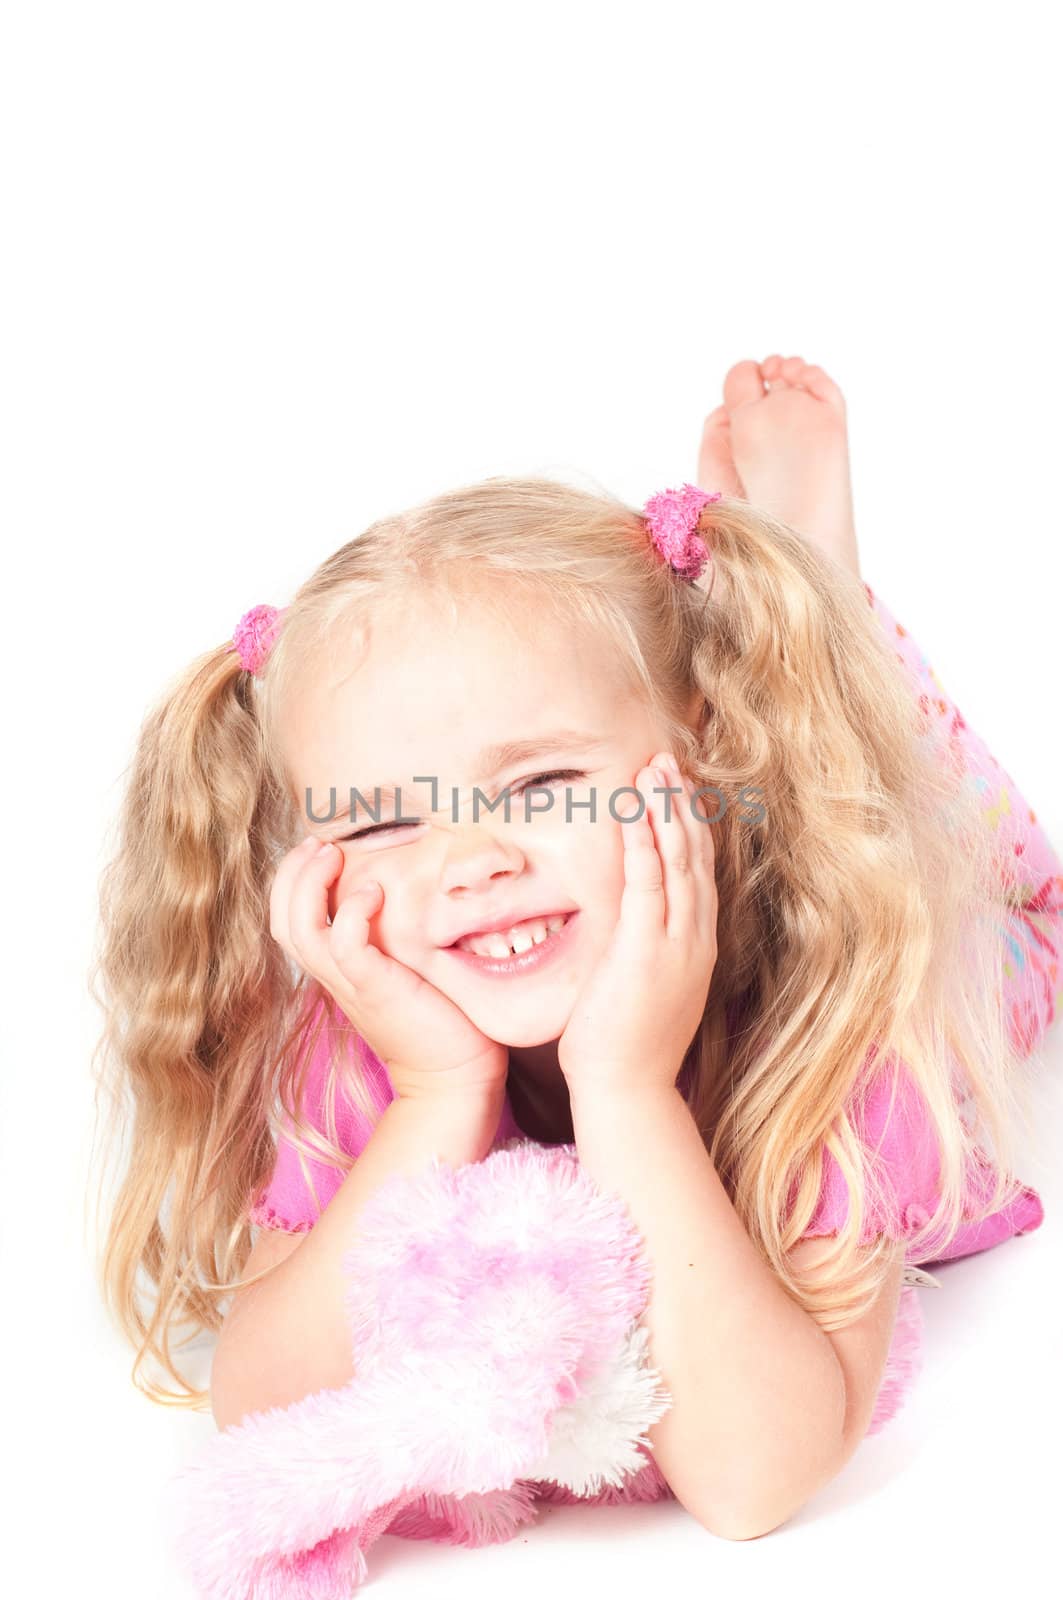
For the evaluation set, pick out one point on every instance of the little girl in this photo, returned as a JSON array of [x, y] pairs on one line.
[[536, 816]]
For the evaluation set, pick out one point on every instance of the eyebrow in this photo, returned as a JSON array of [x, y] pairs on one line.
[[495, 758]]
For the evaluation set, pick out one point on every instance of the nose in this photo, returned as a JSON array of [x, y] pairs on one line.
[[475, 856]]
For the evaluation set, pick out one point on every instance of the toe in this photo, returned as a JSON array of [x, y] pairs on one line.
[[816, 381], [792, 368], [743, 384], [716, 468], [771, 368]]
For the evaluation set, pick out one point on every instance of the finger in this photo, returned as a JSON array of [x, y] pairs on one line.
[[698, 830], [642, 905], [672, 830], [349, 943], [703, 855], [308, 925], [382, 990], [358, 961], [281, 889]]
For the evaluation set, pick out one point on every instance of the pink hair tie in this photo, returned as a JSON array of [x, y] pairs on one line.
[[254, 636], [672, 517]]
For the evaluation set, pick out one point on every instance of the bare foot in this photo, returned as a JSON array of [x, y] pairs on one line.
[[780, 441]]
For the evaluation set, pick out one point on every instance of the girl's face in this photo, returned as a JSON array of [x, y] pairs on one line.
[[442, 702]]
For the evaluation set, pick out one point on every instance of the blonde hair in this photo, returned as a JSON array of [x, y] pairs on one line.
[[857, 917]]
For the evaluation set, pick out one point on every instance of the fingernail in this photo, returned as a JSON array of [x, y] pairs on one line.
[[326, 846]]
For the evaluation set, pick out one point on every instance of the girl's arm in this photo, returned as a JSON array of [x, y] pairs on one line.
[[288, 1335], [766, 1409]]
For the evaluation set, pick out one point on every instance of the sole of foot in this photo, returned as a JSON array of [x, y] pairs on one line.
[[780, 440]]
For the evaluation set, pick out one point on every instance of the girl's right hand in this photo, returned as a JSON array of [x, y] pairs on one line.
[[427, 1043]]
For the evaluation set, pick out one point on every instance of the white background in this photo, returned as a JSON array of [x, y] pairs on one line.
[[272, 271]]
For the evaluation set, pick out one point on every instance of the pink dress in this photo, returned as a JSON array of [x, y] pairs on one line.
[[292, 1200]]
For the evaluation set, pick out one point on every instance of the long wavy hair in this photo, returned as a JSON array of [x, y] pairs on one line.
[[858, 918]]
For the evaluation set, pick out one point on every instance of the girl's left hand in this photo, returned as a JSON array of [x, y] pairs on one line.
[[641, 1006]]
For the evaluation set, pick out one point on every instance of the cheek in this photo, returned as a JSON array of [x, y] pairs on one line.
[[395, 915], [612, 868], [595, 865]]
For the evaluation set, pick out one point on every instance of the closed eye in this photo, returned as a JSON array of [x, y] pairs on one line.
[[543, 780]]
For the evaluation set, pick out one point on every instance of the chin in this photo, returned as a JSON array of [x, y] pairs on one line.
[[531, 1039], [516, 1033]]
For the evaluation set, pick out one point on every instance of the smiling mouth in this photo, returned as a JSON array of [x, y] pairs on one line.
[[523, 936]]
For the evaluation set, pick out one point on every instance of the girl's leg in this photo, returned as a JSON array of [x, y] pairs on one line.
[[1031, 871], [780, 441]]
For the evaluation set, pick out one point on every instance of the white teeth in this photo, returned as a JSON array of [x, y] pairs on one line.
[[516, 941]]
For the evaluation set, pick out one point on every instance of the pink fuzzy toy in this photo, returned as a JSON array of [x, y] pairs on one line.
[[498, 1360]]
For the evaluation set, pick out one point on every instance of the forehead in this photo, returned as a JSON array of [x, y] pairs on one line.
[[418, 693]]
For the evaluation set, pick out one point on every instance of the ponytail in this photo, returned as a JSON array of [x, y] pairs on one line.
[[191, 986]]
